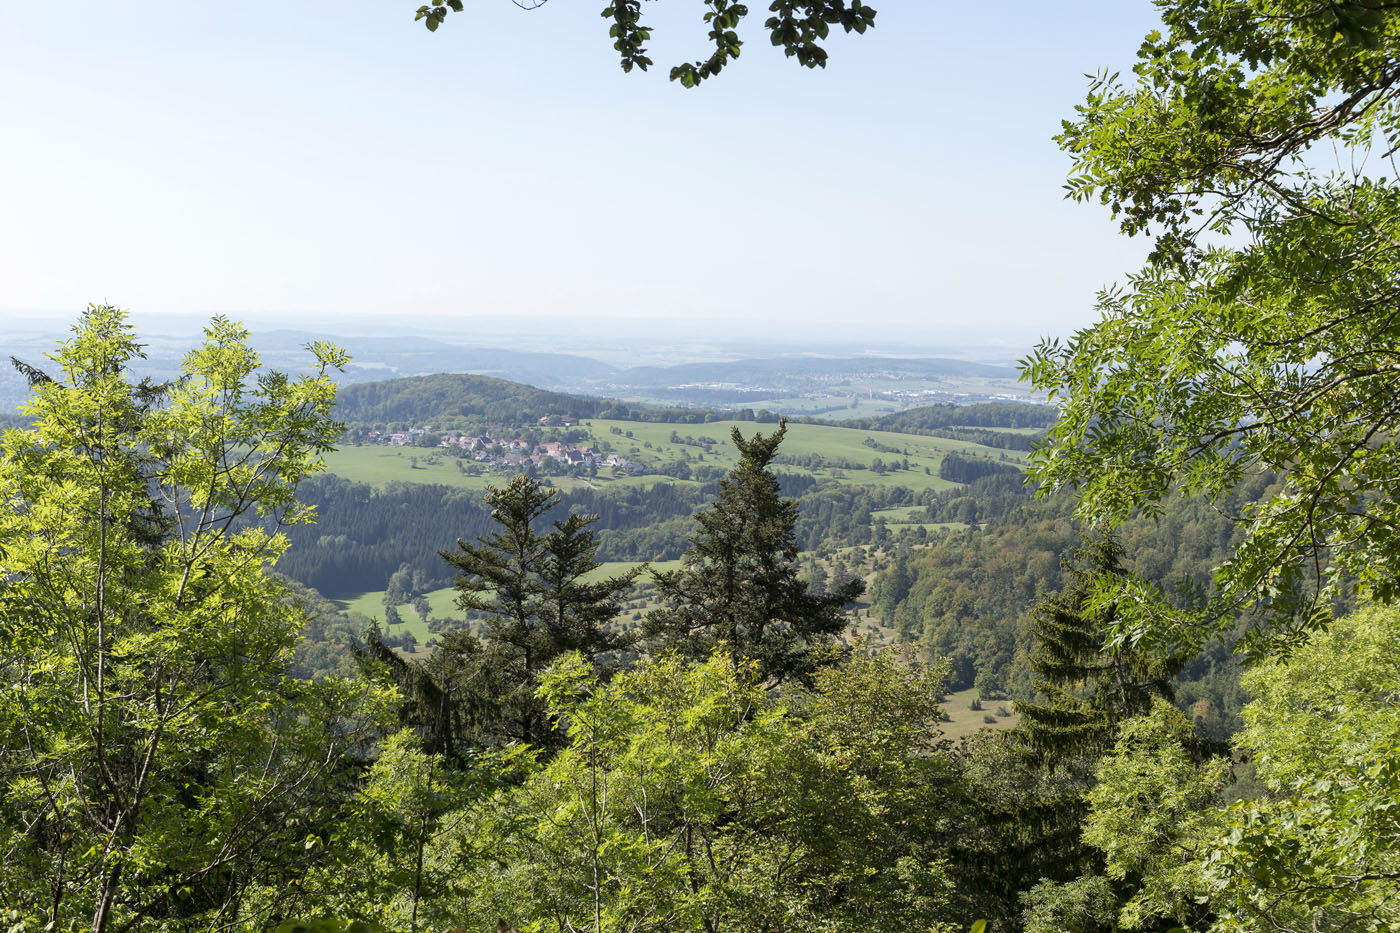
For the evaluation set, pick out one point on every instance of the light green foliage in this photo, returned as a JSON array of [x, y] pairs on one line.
[[1322, 849], [154, 756], [1256, 141], [689, 798], [1319, 849], [798, 27], [1152, 814], [387, 861], [1085, 905], [328, 925]]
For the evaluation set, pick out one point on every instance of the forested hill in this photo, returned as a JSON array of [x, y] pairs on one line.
[[451, 396], [985, 423], [448, 400], [981, 415], [968, 596]]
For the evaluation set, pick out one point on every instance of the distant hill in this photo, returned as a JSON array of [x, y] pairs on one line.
[[812, 369], [377, 358], [981, 415], [447, 397]]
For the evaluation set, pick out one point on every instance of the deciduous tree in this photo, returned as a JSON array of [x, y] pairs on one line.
[[156, 760], [689, 798], [1256, 141]]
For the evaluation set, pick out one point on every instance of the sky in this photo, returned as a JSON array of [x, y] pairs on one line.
[[320, 162]]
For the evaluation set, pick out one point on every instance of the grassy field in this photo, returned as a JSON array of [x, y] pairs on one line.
[[380, 465], [443, 603], [825, 406], [963, 720], [651, 444]]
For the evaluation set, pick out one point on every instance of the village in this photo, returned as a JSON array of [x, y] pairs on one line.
[[510, 449]]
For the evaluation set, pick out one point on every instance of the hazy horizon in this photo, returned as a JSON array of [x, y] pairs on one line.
[[503, 176]]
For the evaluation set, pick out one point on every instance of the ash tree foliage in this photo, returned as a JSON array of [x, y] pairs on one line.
[[1319, 849], [1255, 145], [157, 764], [739, 590], [690, 798], [798, 27]]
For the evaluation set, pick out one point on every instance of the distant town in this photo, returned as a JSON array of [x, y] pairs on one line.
[[505, 449]]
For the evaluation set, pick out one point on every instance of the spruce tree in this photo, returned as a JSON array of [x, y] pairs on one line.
[[1030, 831], [1089, 686], [739, 587], [457, 700], [532, 591]]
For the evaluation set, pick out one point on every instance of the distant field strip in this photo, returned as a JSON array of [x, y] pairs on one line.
[[650, 444], [442, 603]]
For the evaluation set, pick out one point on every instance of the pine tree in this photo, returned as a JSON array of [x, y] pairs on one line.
[[532, 591], [740, 588]]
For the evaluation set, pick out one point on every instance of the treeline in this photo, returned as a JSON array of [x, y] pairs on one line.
[[976, 423], [445, 397], [957, 468], [980, 415], [837, 516], [988, 437], [363, 533], [968, 596], [460, 401], [980, 500]]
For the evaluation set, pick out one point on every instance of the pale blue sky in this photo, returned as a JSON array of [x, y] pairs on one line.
[[294, 158]]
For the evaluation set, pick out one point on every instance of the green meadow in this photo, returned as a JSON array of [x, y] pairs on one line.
[[651, 443], [442, 603]]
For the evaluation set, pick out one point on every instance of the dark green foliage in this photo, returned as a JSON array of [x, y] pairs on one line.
[[972, 591], [1029, 835], [981, 500], [443, 398], [740, 588], [530, 590], [799, 27], [458, 700], [364, 534], [981, 415], [957, 468], [328, 636], [989, 437], [1089, 685]]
